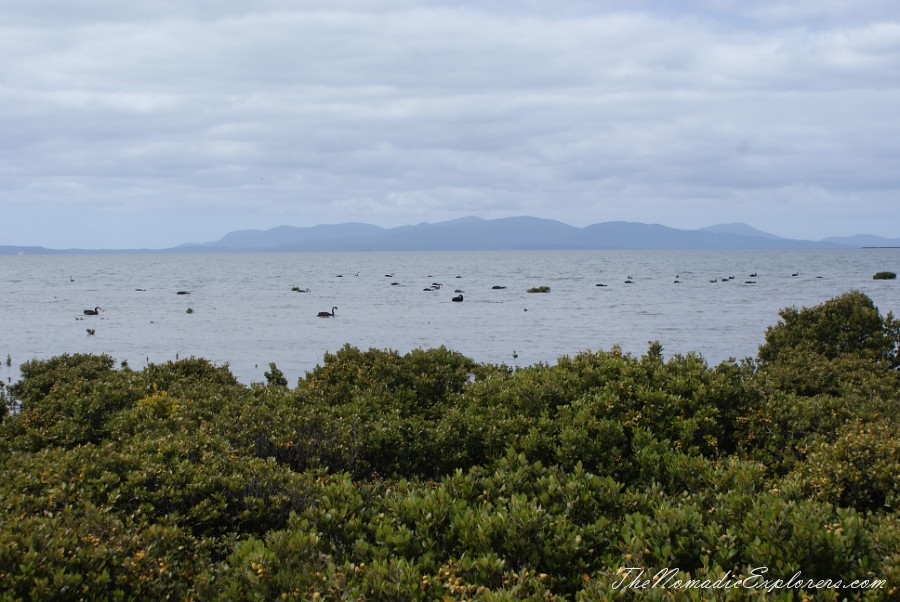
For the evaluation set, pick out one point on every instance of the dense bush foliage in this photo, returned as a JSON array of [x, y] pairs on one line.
[[428, 476]]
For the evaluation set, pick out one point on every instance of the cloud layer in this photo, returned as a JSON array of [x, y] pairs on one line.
[[152, 123]]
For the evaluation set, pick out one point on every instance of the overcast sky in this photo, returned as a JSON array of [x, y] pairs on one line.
[[146, 124]]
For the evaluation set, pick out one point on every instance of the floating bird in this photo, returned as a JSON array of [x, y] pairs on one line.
[[600, 284], [749, 281], [795, 274], [297, 289], [92, 312], [515, 355], [753, 275], [326, 314], [395, 283], [714, 280], [183, 293], [457, 299], [391, 275], [497, 287]]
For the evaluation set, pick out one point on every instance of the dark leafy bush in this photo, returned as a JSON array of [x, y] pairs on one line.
[[39, 377], [846, 325], [858, 469], [426, 476], [69, 401], [275, 377]]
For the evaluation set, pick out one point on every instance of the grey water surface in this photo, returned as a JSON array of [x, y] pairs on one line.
[[245, 314]]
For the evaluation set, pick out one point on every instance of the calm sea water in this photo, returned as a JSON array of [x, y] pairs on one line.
[[245, 314]]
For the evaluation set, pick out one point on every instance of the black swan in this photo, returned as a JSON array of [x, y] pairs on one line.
[[92, 312], [457, 299], [325, 314]]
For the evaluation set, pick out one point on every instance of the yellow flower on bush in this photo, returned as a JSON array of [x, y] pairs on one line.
[[159, 403]]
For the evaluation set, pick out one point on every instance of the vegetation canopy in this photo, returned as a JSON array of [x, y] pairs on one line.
[[429, 476]]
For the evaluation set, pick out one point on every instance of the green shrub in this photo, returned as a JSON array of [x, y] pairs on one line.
[[427, 476], [846, 325], [884, 276], [858, 469], [539, 289]]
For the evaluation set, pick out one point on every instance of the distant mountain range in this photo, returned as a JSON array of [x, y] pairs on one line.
[[513, 233]]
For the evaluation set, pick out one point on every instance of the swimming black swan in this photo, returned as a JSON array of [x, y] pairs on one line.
[[457, 299], [325, 314], [92, 312]]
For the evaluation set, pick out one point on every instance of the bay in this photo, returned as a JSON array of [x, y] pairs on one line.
[[243, 312]]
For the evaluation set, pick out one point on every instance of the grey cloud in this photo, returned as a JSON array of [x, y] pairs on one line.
[[409, 111]]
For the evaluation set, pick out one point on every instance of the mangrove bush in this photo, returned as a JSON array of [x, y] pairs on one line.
[[429, 476]]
